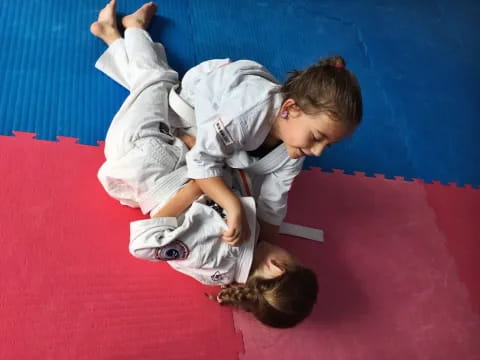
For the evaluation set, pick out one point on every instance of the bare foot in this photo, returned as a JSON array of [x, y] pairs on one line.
[[106, 26], [140, 18]]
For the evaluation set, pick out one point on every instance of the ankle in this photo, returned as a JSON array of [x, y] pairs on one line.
[[110, 40], [129, 22], [135, 26]]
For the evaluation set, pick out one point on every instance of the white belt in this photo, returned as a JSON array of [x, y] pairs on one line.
[[183, 109]]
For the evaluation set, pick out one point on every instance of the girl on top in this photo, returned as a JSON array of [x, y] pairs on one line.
[[145, 167], [245, 119]]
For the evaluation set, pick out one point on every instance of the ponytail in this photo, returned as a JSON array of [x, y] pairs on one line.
[[280, 302]]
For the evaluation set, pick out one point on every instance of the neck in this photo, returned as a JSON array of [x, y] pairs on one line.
[[259, 255], [272, 138]]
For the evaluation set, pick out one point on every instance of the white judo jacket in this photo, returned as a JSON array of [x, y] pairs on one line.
[[235, 104], [145, 166], [193, 246]]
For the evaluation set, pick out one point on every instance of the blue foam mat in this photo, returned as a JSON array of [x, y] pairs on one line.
[[417, 64]]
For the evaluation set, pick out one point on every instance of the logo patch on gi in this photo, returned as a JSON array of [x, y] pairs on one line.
[[223, 133], [217, 276], [175, 250]]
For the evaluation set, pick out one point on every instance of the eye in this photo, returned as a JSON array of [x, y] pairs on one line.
[[318, 138]]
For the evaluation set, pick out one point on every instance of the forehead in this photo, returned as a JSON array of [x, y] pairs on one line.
[[326, 125]]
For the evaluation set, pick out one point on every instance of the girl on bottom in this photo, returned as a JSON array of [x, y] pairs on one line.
[[145, 168]]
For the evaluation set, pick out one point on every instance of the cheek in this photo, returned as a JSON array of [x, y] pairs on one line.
[[296, 136], [300, 139]]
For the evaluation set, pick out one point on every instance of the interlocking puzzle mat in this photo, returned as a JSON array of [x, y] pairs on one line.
[[396, 271], [416, 62], [398, 268]]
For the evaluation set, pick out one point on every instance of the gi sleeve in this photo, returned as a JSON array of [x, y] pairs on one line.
[[220, 114], [206, 159], [148, 236], [273, 197], [231, 109]]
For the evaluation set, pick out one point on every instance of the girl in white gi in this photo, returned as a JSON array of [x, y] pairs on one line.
[[145, 167], [245, 119]]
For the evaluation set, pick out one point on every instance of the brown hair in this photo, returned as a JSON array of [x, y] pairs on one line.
[[280, 302], [326, 87]]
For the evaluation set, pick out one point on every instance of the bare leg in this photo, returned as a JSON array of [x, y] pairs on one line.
[[140, 18], [105, 27]]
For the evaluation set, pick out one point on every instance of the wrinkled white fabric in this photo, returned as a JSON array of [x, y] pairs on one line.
[[145, 166], [235, 104], [193, 246]]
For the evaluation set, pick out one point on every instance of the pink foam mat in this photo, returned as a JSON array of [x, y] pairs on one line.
[[396, 271]]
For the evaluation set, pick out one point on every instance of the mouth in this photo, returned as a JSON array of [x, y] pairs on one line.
[[296, 154]]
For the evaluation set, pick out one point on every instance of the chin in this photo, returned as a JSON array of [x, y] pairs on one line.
[[292, 153], [295, 154]]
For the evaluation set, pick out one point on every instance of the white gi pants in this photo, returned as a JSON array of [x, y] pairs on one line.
[[145, 163]]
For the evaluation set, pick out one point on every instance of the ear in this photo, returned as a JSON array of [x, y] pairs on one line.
[[278, 268], [287, 103], [291, 107]]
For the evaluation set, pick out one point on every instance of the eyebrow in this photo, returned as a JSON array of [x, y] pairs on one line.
[[326, 137]]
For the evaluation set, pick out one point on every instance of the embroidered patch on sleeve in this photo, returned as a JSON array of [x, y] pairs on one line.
[[223, 133], [175, 250]]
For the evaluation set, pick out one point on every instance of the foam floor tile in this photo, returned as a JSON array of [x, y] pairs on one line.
[[69, 287], [389, 285]]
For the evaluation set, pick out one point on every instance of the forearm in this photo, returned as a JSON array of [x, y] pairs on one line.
[[218, 191], [268, 232], [180, 201]]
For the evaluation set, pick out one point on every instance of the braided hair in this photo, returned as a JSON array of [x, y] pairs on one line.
[[280, 302], [326, 87]]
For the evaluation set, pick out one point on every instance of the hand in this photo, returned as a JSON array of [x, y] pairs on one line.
[[238, 230], [188, 140]]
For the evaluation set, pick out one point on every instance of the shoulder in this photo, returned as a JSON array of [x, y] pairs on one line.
[[250, 114], [248, 70]]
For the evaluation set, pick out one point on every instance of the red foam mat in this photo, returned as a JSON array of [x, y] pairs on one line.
[[69, 287], [396, 271]]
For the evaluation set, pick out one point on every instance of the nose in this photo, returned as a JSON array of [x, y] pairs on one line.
[[318, 148]]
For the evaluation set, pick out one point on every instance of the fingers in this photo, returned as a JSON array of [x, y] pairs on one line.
[[235, 237], [214, 298], [229, 232], [188, 140], [238, 230], [231, 237]]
